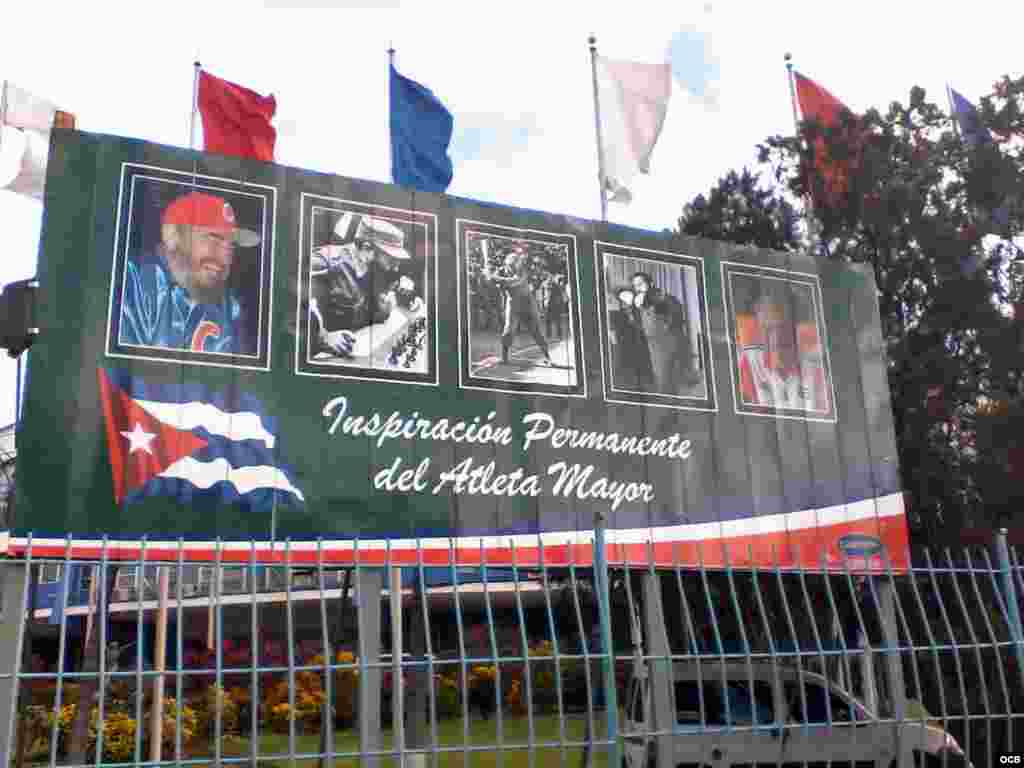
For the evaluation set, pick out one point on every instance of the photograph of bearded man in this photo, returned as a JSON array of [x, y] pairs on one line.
[[178, 293]]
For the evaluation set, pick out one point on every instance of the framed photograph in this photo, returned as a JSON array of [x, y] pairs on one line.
[[193, 264], [367, 303], [778, 343], [519, 313], [655, 345]]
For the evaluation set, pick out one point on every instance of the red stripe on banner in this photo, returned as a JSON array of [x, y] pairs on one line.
[[809, 549], [815, 548]]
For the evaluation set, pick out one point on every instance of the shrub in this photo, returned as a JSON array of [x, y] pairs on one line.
[[189, 725], [118, 730], [215, 699], [38, 724], [309, 701], [542, 678], [279, 716], [118, 736], [447, 696], [243, 700], [481, 688], [514, 698]]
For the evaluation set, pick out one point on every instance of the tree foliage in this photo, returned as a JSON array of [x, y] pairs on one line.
[[740, 210], [939, 218]]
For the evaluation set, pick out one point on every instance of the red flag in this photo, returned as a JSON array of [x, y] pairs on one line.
[[236, 121], [816, 103]]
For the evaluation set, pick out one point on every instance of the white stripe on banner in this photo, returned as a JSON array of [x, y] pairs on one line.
[[244, 425], [865, 509], [204, 474], [887, 506]]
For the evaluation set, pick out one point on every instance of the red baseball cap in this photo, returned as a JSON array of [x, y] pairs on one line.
[[198, 209]]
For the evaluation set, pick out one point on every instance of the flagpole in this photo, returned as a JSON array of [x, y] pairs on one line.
[[600, 556], [391, 139], [3, 112], [597, 126], [952, 111], [788, 57], [792, 91], [195, 103], [812, 221]]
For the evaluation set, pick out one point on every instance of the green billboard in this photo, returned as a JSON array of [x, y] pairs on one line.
[[243, 351]]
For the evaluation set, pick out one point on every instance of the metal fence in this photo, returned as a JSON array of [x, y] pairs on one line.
[[473, 663]]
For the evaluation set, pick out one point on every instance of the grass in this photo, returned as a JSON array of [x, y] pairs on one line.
[[482, 734]]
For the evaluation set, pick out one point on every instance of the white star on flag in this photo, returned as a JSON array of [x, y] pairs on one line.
[[139, 439]]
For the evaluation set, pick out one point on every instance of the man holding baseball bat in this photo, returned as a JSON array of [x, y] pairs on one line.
[[519, 305]]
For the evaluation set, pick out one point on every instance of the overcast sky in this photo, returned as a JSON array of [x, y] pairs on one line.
[[516, 76]]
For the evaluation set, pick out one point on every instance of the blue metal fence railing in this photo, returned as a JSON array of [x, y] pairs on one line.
[[518, 662]]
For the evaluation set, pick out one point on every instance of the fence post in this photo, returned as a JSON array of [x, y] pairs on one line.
[[397, 689], [600, 561], [416, 735], [886, 591], [369, 586], [13, 578], [1012, 606], [659, 666]]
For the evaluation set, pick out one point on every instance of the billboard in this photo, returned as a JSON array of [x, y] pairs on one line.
[[244, 353]]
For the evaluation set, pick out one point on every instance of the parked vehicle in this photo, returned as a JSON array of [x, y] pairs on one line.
[[735, 714]]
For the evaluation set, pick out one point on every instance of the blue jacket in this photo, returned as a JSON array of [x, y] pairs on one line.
[[157, 312]]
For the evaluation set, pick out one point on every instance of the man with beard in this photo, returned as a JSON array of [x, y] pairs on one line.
[[178, 297], [663, 321], [631, 357]]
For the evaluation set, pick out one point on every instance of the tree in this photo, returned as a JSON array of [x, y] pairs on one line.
[[936, 217], [739, 210]]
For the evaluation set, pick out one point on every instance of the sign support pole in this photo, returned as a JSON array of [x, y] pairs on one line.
[[659, 670], [397, 689], [607, 647], [156, 724], [14, 597], [369, 586]]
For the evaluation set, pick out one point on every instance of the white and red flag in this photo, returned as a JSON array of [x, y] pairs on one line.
[[633, 101], [25, 124]]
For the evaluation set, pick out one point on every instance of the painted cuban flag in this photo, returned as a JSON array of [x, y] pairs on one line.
[[183, 440]]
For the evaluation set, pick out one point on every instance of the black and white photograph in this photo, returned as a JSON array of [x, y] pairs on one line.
[[777, 333], [366, 292], [654, 341], [519, 310], [192, 269]]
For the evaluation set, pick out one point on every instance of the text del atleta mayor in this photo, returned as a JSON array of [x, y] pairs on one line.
[[581, 481]]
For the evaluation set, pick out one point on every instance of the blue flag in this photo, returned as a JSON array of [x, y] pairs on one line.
[[966, 115], [421, 130]]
